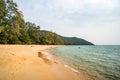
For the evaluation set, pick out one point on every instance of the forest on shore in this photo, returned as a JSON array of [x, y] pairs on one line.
[[15, 30]]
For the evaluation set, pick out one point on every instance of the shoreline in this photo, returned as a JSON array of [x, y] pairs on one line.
[[29, 62], [81, 74], [55, 58]]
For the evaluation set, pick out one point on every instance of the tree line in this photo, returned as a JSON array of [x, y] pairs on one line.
[[14, 29]]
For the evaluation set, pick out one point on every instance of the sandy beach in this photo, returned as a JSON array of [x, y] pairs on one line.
[[29, 62]]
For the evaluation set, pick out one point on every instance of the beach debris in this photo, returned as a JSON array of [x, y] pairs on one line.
[[40, 54], [55, 62], [44, 58]]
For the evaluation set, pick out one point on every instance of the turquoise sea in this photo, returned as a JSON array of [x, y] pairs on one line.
[[100, 62]]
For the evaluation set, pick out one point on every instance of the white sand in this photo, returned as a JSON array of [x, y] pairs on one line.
[[21, 62]]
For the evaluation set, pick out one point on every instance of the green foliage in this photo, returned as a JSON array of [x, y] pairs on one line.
[[12, 29], [75, 41], [3, 38], [33, 32], [2, 11], [24, 37], [50, 38]]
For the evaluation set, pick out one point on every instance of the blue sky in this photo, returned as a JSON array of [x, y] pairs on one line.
[[97, 21]]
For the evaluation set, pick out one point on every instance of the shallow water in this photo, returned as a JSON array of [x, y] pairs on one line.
[[99, 62]]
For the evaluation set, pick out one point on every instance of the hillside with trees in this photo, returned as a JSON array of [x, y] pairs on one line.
[[14, 29], [75, 41], [57, 39]]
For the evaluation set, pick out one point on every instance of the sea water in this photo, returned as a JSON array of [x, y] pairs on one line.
[[98, 62]]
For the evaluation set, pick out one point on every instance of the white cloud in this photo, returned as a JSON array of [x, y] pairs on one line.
[[78, 5]]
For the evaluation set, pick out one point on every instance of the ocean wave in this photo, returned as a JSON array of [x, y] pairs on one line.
[[74, 70]]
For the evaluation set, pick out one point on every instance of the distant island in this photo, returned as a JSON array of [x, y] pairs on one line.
[[14, 29]]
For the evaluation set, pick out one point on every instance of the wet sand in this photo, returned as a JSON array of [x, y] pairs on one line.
[[29, 62]]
